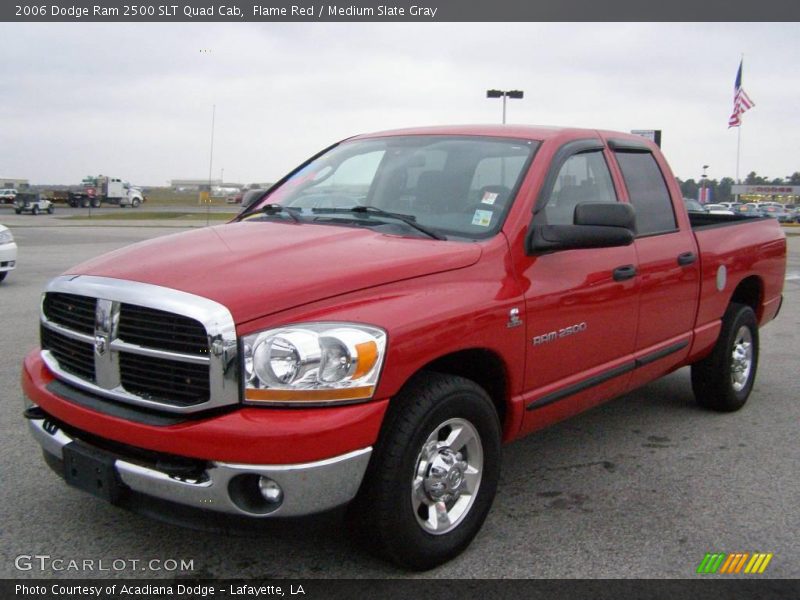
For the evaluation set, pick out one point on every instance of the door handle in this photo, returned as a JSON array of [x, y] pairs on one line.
[[686, 258], [624, 272]]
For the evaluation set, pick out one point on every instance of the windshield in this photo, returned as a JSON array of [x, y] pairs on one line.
[[457, 186]]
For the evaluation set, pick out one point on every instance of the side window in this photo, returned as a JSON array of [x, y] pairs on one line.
[[648, 193], [582, 178]]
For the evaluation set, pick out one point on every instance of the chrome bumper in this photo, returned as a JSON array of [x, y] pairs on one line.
[[307, 488]]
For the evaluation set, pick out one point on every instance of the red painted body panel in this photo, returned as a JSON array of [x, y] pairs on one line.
[[750, 249], [435, 298], [256, 269]]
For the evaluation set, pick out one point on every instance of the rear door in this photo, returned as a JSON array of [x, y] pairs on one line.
[[668, 264]]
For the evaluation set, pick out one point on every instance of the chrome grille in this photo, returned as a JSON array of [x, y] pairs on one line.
[[70, 310], [160, 329], [73, 356], [139, 343], [162, 380]]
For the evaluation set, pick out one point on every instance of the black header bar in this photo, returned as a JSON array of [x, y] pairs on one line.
[[121, 11]]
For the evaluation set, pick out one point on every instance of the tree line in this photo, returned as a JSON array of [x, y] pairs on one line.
[[721, 190]]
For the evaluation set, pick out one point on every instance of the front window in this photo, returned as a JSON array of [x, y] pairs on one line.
[[455, 186]]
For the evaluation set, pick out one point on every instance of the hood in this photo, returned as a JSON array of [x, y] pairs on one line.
[[260, 268]]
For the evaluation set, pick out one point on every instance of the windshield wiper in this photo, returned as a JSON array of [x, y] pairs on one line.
[[372, 210]]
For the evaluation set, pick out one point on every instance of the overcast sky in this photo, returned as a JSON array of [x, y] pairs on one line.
[[135, 100]]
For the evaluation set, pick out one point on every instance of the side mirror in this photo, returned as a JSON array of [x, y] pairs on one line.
[[597, 225], [608, 214]]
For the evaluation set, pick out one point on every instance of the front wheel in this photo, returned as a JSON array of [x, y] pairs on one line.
[[433, 476], [724, 379], [51, 209], [35, 210], [135, 203]]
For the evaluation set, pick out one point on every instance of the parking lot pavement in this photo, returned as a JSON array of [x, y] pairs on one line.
[[643, 486]]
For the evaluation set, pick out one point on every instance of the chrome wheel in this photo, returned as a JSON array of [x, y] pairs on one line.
[[447, 476], [741, 358]]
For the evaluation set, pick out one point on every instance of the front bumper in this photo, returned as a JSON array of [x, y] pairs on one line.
[[223, 487], [317, 456]]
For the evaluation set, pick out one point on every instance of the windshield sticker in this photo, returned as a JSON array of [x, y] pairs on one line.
[[482, 218], [489, 197]]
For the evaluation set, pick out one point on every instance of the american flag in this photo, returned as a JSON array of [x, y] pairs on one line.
[[741, 101]]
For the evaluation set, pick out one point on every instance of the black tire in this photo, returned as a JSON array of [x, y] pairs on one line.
[[85, 203], [18, 211], [51, 209], [35, 210], [724, 379], [3, 275], [388, 514], [135, 203], [95, 202]]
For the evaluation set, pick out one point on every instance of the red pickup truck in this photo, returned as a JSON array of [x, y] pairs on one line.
[[372, 329]]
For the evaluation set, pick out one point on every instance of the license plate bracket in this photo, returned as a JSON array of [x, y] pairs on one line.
[[92, 470]]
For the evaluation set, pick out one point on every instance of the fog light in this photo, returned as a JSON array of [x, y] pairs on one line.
[[270, 490]]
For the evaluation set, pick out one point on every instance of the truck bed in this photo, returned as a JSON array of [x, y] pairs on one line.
[[700, 220], [705, 220], [742, 246]]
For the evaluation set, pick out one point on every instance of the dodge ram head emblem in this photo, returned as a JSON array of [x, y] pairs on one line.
[[100, 345]]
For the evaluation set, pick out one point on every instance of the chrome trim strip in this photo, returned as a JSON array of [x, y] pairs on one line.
[[70, 333], [307, 487], [110, 292], [120, 346], [106, 363]]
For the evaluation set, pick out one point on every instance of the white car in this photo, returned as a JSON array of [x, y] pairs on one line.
[[7, 195], [8, 252], [718, 209]]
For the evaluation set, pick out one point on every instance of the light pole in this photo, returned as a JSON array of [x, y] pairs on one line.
[[516, 94], [703, 178]]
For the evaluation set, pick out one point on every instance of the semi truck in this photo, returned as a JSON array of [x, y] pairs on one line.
[[370, 331], [95, 191]]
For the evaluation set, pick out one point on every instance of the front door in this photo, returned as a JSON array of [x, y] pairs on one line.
[[581, 304]]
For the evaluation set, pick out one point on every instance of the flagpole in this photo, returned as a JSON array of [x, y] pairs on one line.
[[739, 131], [738, 151]]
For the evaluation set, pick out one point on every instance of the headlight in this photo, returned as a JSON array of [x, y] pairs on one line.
[[6, 237], [312, 363]]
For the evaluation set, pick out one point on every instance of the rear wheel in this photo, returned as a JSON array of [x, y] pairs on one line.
[[3, 275], [85, 203], [35, 210], [95, 202], [434, 472], [724, 379], [51, 209]]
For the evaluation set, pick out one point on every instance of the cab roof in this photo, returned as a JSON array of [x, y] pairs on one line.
[[527, 132]]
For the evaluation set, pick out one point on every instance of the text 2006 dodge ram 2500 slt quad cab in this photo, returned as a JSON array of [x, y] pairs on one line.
[[373, 328]]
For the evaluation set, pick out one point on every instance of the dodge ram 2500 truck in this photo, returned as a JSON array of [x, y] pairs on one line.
[[372, 329]]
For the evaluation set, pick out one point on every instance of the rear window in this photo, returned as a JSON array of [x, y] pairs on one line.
[[648, 193]]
